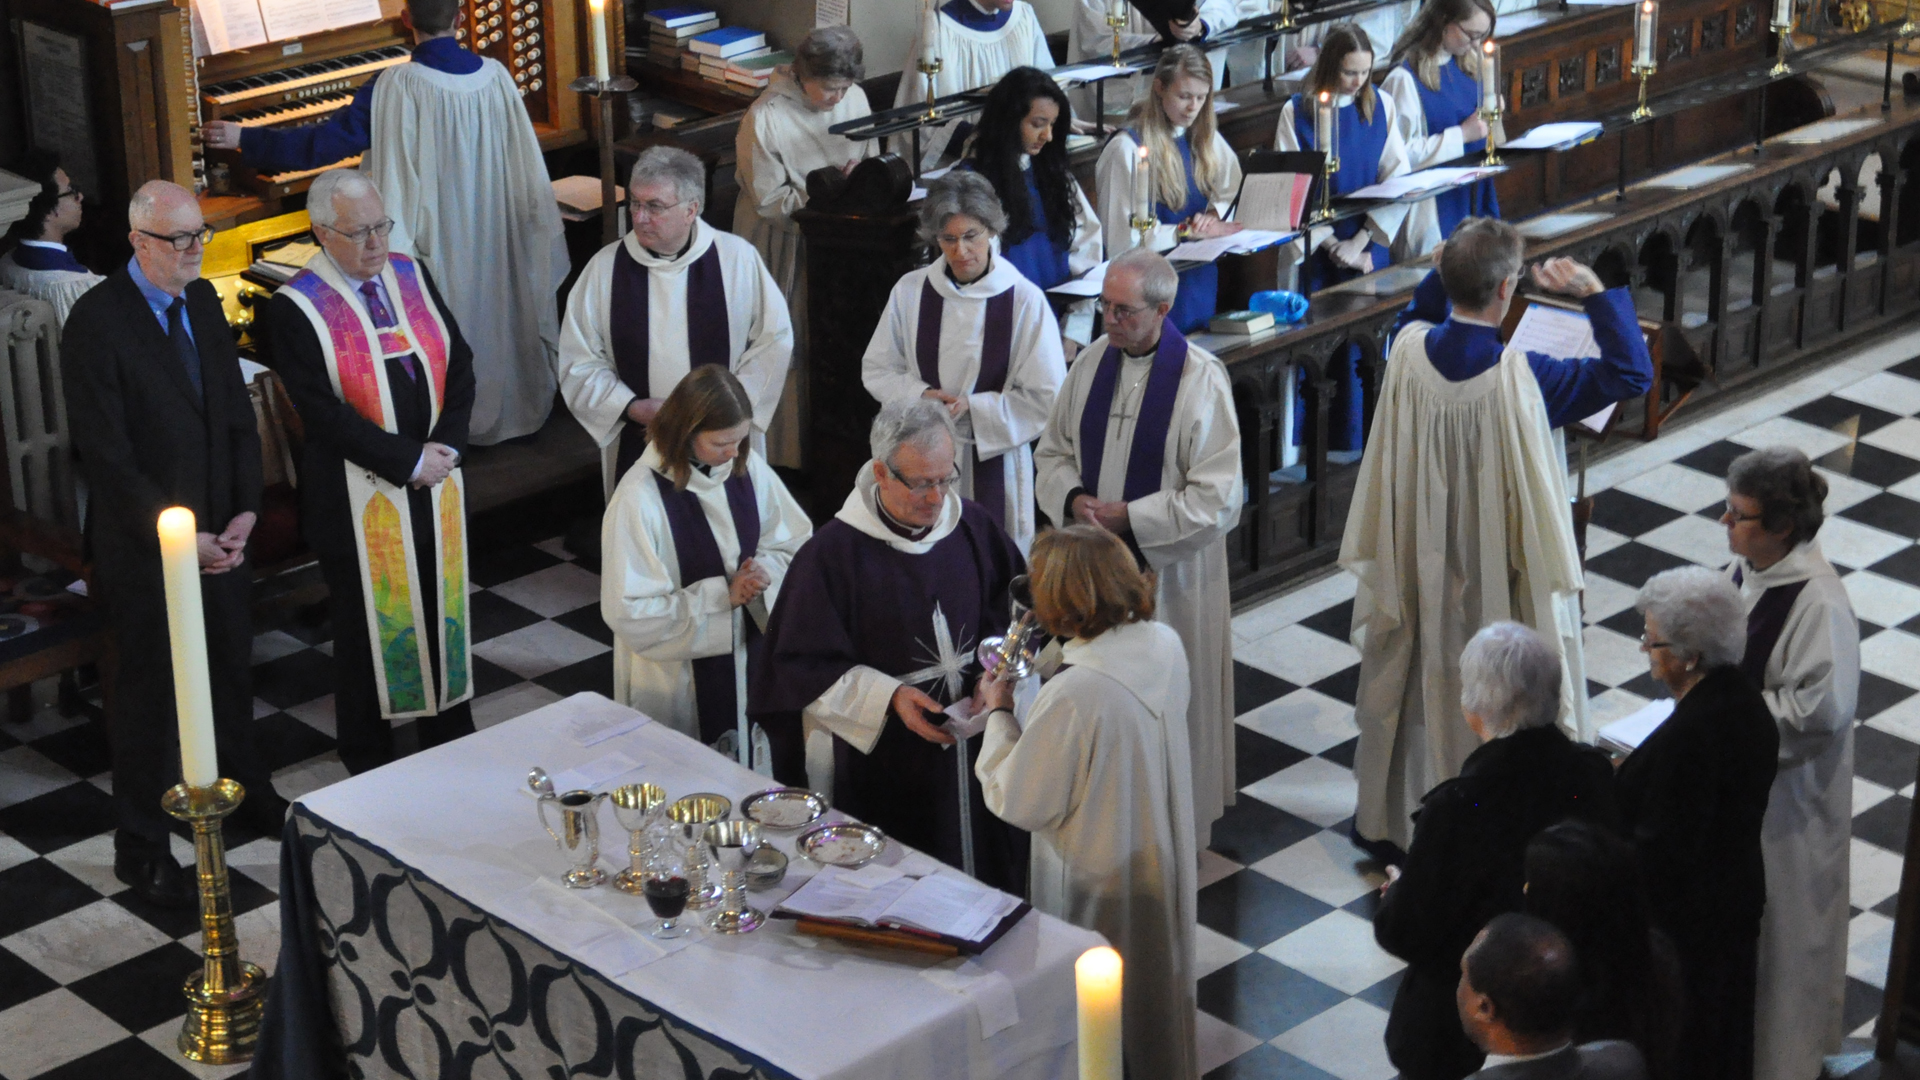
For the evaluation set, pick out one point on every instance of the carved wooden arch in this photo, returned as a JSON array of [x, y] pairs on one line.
[[1615, 261]]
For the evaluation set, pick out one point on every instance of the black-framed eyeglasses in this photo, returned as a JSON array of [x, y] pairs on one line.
[[970, 237], [921, 487], [1735, 516], [183, 241], [1649, 646], [71, 193], [654, 209], [1472, 37], [381, 229], [1123, 312]]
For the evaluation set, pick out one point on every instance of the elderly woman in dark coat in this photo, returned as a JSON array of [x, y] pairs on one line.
[[1693, 796], [1466, 862]]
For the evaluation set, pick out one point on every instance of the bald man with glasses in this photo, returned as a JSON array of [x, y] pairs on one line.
[[160, 417]]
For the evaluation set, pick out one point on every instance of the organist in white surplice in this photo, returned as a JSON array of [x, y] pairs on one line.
[[669, 296]]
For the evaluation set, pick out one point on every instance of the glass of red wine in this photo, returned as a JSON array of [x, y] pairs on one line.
[[665, 886]]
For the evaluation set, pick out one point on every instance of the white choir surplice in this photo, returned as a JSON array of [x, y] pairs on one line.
[[780, 142], [1423, 148], [1113, 179], [1089, 38], [969, 60], [457, 161], [1099, 774], [662, 623], [1459, 519], [1000, 424], [1389, 223], [1812, 686], [760, 339], [1181, 529], [57, 287]]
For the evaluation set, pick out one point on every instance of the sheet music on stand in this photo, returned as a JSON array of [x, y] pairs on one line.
[[1272, 201], [1563, 335]]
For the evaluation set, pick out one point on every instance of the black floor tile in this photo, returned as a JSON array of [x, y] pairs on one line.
[[1265, 1062], [502, 565], [1595, 689], [1264, 997], [1862, 1004], [81, 750], [594, 674], [1251, 830], [1890, 907], [1629, 622], [286, 741], [61, 817], [1646, 686], [294, 679], [1714, 460], [1336, 622], [1629, 515], [1341, 685], [1256, 757], [1909, 368], [1869, 464], [1253, 688], [1380, 994], [21, 981], [1367, 905], [143, 991], [1849, 418], [37, 891], [1887, 760], [1902, 565], [1897, 515], [1884, 825], [1256, 910], [1878, 694], [1867, 629], [247, 894], [1632, 563], [494, 615], [587, 621], [488, 677], [128, 1057], [1342, 754]]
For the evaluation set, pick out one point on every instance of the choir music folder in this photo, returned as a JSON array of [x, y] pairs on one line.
[[1274, 188]]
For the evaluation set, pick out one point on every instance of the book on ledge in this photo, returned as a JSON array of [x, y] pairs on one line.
[[945, 908], [680, 16], [727, 42]]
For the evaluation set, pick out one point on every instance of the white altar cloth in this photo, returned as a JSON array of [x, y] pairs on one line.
[[460, 815]]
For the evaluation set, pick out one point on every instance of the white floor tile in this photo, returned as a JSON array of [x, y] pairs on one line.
[[165, 1038], [46, 720], [1215, 867], [91, 860], [1869, 943], [509, 703], [1315, 790], [1902, 719], [553, 591], [1679, 487], [1781, 431], [307, 777], [1615, 704], [1879, 600], [1908, 488], [316, 714], [1846, 542], [1347, 1040], [1901, 437], [51, 1030], [1219, 1041], [26, 773], [1604, 598], [1613, 658], [1694, 539], [1844, 491], [1336, 949], [1892, 654], [1886, 391], [1297, 654], [533, 651], [1600, 541], [1213, 951], [1867, 795], [259, 860], [13, 853], [1325, 866], [83, 941], [1305, 720], [273, 645], [1289, 608], [1873, 874]]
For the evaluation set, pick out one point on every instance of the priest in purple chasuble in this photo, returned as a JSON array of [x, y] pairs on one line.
[[970, 331], [671, 295], [875, 634], [383, 382], [1144, 442]]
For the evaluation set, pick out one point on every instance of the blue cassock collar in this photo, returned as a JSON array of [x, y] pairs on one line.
[[445, 54], [43, 257], [1459, 351], [971, 17]]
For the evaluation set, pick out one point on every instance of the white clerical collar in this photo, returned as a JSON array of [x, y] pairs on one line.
[[1805, 561], [1179, 133], [1026, 162], [1341, 101], [861, 511], [697, 244], [1463, 320], [1001, 275], [1497, 1060], [49, 244], [984, 9]]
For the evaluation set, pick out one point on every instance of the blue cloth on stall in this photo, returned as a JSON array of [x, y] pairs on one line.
[[1457, 99], [1199, 293], [348, 131]]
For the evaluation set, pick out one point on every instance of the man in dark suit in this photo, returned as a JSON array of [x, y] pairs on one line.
[[160, 417], [359, 317], [1519, 988]]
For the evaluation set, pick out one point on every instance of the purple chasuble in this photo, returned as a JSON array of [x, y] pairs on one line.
[[715, 698], [708, 341], [989, 484], [1148, 454], [850, 599], [1765, 623]]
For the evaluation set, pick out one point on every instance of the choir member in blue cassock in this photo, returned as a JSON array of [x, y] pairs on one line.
[[875, 633], [1435, 89], [1369, 150], [1193, 176]]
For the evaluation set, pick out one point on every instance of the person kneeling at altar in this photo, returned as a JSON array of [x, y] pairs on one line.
[[972, 333], [873, 638], [383, 381], [1099, 773], [693, 548]]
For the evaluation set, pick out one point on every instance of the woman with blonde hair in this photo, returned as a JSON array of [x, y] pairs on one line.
[[1435, 89], [1100, 774], [1194, 176], [694, 545]]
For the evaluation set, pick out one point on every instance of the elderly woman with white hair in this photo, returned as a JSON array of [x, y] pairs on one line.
[[972, 332], [1693, 796], [1467, 860], [1803, 652]]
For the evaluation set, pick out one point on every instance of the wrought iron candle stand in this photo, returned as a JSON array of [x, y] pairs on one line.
[[603, 92], [225, 996]]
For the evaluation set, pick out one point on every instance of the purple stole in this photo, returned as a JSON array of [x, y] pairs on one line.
[[715, 696], [996, 352], [1149, 451], [1765, 623], [708, 341]]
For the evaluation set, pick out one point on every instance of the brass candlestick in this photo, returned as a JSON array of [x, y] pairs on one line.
[[225, 997], [1142, 230], [1286, 17], [603, 91], [1783, 41], [1641, 111], [1116, 23], [930, 68], [1492, 117], [1330, 167], [1907, 26]]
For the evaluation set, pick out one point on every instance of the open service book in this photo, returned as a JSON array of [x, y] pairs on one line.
[[946, 905]]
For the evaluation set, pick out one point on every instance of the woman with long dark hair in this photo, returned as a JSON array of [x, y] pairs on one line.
[[1020, 146], [1435, 89]]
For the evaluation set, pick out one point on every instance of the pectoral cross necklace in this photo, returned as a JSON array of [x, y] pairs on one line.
[[1129, 404]]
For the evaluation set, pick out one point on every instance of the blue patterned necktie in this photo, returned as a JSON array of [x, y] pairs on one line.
[[183, 343]]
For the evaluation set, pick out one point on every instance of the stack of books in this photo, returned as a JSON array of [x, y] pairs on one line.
[[669, 31], [751, 73], [714, 50]]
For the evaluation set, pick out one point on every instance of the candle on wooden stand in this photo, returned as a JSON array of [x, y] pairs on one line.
[[1489, 78], [187, 631], [1096, 976], [1142, 187], [597, 20], [1645, 18]]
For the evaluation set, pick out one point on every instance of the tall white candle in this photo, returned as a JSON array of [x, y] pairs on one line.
[[929, 35], [1645, 18], [1489, 77], [1142, 186], [187, 630], [1096, 976], [1117, 9], [597, 19], [1323, 123], [1783, 12]]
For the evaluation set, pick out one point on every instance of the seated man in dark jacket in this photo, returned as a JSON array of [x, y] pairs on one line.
[[1519, 987], [1467, 862]]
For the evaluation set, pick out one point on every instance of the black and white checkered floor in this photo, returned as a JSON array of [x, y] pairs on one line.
[[1291, 983]]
